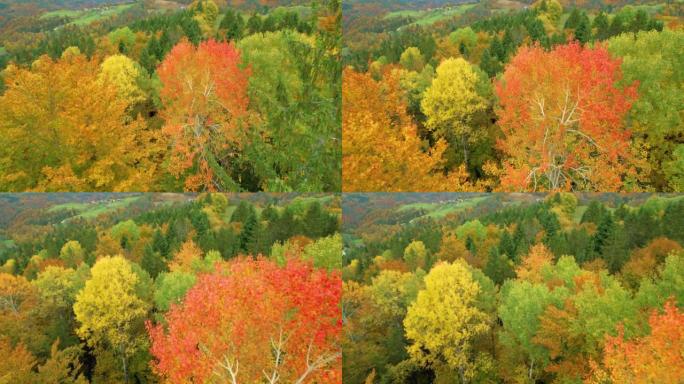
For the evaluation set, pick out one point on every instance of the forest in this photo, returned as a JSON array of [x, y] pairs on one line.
[[160, 95], [513, 96], [166, 288], [513, 288]]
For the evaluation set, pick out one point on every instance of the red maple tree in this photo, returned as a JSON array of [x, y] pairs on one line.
[[254, 321]]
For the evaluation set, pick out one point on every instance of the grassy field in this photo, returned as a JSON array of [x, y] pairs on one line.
[[3, 51], [93, 210], [441, 210], [650, 8], [299, 203], [7, 243], [429, 17], [87, 16]]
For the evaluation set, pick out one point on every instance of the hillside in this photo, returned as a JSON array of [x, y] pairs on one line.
[[127, 59], [530, 281], [116, 275], [457, 75]]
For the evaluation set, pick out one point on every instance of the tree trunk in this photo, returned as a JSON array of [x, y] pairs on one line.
[[461, 372], [464, 143], [529, 373], [125, 366]]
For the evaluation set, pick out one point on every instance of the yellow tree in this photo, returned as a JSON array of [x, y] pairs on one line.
[[415, 255], [381, 150], [412, 59], [206, 12], [110, 311], [72, 254], [452, 101], [444, 319], [123, 73]]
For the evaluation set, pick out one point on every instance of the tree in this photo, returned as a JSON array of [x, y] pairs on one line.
[[125, 232], [20, 365], [124, 74], [58, 287], [655, 357], [381, 149], [415, 255], [499, 267], [444, 319], [69, 139], [456, 95], [294, 338], [465, 38], [122, 38], [655, 60], [451, 248], [412, 60], [550, 8], [601, 24], [205, 103], [170, 288], [254, 24], [205, 13], [153, 262], [562, 118], [110, 308], [669, 283], [186, 257], [373, 316], [521, 306], [19, 320], [573, 332], [489, 63], [72, 254], [296, 142], [325, 252], [532, 265], [574, 19], [233, 24], [583, 31]]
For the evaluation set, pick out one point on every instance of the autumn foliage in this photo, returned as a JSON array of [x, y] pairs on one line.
[[380, 145], [654, 358], [250, 321], [561, 114], [60, 137], [205, 98]]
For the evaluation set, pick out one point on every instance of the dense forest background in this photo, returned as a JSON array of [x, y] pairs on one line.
[[514, 96], [513, 288], [265, 115], [111, 288]]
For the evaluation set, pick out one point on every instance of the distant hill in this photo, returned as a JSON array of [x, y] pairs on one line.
[[394, 208], [13, 9], [47, 4]]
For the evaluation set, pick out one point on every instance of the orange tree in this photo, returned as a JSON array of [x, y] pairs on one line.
[[205, 101], [654, 358], [561, 115], [381, 150]]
